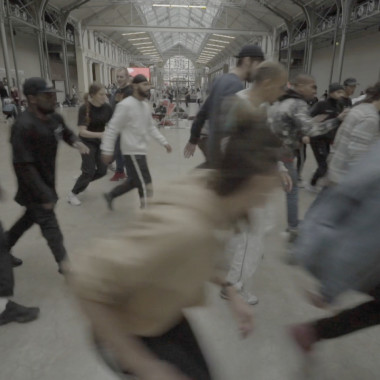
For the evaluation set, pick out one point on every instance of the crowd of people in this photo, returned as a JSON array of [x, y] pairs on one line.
[[134, 288]]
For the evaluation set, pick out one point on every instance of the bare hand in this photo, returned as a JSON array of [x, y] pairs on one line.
[[286, 181], [189, 150], [243, 313], [306, 140], [163, 371], [107, 158], [343, 114], [83, 149], [48, 206], [168, 148], [316, 300]]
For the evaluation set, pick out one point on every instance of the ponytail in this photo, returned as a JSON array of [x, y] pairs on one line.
[[93, 90]]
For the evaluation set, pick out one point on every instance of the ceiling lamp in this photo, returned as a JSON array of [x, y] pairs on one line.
[[143, 43], [179, 6], [220, 41], [221, 46], [128, 34], [222, 35], [211, 49], [138, 39]]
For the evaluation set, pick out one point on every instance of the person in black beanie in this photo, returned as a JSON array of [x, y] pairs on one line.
[[331, 107]]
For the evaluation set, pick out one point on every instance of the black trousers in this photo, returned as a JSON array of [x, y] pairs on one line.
[[48, 223], [92, 168], [321, 150], [138, 178], [6, 269], [178, 347], [301, 158], [359, 317]]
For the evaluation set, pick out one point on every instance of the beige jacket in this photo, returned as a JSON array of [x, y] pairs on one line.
[[161, 263]]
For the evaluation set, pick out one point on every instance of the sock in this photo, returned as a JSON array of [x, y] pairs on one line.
[[3, 304]]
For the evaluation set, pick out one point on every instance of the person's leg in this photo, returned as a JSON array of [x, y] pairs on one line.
[[101, 167], [9, 310], [88, 170], [144, 179], [320, 151], [18, 229], [292, 198], [119, 173], [48, 223]]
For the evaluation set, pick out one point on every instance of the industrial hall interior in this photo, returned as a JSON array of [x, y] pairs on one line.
[[189, 189]]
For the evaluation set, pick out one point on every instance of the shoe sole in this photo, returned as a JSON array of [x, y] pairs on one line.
[[20, 319]]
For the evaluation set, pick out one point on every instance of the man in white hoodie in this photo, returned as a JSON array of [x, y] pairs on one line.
[[133, 121]]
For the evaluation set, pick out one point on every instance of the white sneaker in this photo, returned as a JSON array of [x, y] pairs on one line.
[[312, 189], [73, 200], [250, 298]]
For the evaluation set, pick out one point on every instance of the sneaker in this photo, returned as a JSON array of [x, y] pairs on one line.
[[16, 262], [304, 335], [250, 298], [16, 313], [293, 234], [109, 201], [73, 200], [312, 188], [118, 177], [112, 166]]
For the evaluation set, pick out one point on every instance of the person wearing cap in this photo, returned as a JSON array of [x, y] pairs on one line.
[[331, 107], [133, 120], [292, 122], [34, 139], [349, 88], [226, 85]]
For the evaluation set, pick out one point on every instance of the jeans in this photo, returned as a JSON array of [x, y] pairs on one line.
[[292, 197], [138, 178], [119, 157], [92, 168], [6, 269], [321, 150], [178, 347], [48, 223]]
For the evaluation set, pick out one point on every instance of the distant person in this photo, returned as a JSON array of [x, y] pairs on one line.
[[349, 87], [3, 93]]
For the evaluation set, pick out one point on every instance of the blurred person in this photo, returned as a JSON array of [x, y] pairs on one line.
[[331, 107], [187, 97], [292, 122], [10, 311], [93, 116], [9, 109], [134, 288], [124, 90], [247, 245], [339, 245], [357, 133], [133, 121], [34, 139], [249, 57], [15, 96], [3, 93], [349, 87]]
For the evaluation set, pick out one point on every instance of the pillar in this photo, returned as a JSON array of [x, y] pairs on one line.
[[4, 45]]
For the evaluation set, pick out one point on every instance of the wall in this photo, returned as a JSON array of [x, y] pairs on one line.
[[26, 55], [362, 61]]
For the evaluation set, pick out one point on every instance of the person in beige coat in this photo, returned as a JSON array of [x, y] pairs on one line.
[[134, 288]]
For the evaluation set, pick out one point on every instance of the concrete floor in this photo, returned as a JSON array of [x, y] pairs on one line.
[[56, 346]]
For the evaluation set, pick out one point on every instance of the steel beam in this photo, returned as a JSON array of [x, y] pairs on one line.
[[142, 28], [4, 44], [335, 39]]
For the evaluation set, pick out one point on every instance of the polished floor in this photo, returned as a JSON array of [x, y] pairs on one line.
[[56, 347]]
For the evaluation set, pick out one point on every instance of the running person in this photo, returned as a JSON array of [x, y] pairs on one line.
[[133, 121], [92, 119]]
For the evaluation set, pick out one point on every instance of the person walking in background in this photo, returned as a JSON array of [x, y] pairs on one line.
[[124, 90], [349, 87], [93, 116], [199, 97], [34, 139], [331, 107], [187, 97], [3, 93], [133, 121]]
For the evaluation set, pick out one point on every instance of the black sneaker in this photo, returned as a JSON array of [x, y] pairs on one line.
[[109, 200], [18, 313], [16, 262]]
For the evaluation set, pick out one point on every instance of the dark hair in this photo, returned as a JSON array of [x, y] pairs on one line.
[[372, 93], [252, 149], [252, 59], [93, 90]]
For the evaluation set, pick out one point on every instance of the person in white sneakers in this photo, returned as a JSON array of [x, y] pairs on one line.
[[133, 120], [93, 116]]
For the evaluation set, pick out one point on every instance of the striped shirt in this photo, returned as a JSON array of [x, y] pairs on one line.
[[357, 133]]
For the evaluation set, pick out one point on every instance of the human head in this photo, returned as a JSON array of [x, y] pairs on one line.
[[122, 77], [350, 86], [247, 169], [305, 86], [249, 57], [40, 95], [270, 79], [141, 86], [97, 93], [336, 91], [373, 95]]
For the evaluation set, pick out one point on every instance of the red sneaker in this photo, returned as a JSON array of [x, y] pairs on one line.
[[118, 177]]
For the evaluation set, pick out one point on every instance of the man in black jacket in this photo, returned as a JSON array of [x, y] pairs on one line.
[[331, 107], [34, 138]]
